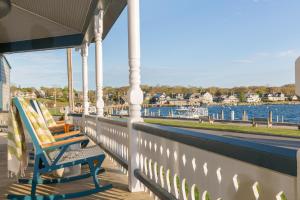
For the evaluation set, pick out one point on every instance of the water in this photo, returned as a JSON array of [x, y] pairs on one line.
[[290, 112]]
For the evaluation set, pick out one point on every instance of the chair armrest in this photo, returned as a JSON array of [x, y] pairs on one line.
[[64, 143], [68, 134]]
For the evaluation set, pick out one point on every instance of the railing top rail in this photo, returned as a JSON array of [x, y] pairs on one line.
[[279, 159], [113, 121]]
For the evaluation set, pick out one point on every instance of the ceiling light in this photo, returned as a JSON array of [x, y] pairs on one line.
[[5, 6]]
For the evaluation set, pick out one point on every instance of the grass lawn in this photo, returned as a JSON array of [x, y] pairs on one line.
[[225, 127]]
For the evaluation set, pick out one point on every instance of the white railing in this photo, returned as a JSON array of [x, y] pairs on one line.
[[192, 165], [90, 126], [113, 137], [76, 119], [111, 134], [193, 173]]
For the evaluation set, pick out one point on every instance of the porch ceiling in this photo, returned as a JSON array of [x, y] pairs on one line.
[[47, 24]]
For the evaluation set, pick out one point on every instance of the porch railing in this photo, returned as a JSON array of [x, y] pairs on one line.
[[190, 165]]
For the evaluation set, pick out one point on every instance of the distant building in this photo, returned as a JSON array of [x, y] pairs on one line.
[[252, 98], [179, 96], [293, 98], [124, 100], [159, 98], [26, 95], [147, 96], [40, 93], [30, 95], [178, 102], [274, 97], [4, 83], [232, 99], [200, 98], [219, 99], [79, 95]]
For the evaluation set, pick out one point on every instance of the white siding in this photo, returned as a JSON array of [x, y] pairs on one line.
[[4, 84]]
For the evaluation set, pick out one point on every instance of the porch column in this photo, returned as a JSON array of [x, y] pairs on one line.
[[84, 55], [135, 94], [70, 80], [99, 62]]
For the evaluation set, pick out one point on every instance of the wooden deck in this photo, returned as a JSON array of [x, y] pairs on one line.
[[112, 175]]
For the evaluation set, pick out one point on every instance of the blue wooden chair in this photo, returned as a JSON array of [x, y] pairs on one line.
[[56, 155]]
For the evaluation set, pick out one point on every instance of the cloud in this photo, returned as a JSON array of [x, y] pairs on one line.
[[288, 53], [257, 57]]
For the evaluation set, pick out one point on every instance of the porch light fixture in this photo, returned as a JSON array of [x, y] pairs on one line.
[[5, 7]]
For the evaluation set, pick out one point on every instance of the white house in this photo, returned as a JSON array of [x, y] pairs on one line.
[[232, 99], [4, 83], [252, 98], [197, 98], [275, 97]]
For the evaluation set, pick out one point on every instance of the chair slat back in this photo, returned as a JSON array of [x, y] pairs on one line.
[[35, 126], [36, 107], [47, 115], [27, 125]]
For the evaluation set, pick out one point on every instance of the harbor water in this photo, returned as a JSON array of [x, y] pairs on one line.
[[282, 112]]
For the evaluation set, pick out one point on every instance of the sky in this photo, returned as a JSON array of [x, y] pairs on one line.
[[222, 43]]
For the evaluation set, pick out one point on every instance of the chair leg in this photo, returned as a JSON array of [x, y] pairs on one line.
[[94, 171], [35, 177], [94, 168], [59, 180]]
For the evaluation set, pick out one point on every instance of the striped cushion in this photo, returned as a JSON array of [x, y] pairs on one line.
[[41, 130], [47, 115], [16, 145]]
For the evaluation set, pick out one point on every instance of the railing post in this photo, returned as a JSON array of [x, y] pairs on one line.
[[98, 20], [232, 115], [84, 55], [135, 93]]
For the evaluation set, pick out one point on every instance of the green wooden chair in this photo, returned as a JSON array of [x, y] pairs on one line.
[[51, 155]]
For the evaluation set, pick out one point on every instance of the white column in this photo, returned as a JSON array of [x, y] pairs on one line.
[[70, 79], [135, 93], [99, 62], [84, 55]]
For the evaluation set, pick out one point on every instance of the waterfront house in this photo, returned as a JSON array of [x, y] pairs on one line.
[[274, 97], [124, 100], [231, 99], [252, 98], [293, 98], [4, 83], [147, 96], [200, 98], [178, 102], [179, 96], [219, 99], [159, 98]]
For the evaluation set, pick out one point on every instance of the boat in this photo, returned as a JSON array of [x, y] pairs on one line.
[[191, 112], [122, 112]]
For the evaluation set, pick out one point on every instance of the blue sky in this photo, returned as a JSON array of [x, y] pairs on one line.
[[192, 43]]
